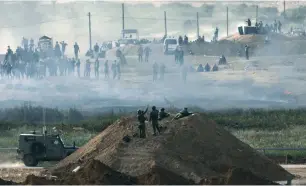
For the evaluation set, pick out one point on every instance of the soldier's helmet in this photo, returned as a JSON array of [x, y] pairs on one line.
[[153, 108], [162, 109], [185, 109]]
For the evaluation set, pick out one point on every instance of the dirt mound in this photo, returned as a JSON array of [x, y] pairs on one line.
[[258, 38], [191, 149], [245, 39], [237, 176], [227, 48], [160, 176]]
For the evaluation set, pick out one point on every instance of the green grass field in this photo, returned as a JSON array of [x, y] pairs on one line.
[[258, 128]]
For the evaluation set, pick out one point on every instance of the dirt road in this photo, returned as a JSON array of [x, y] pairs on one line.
[[17, 172], [299, 171]]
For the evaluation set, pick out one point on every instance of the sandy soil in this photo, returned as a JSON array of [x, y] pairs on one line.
[[18, 174], [300, 171]]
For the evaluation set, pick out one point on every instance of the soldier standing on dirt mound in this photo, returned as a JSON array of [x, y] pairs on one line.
[[154, 120], [142, 126]]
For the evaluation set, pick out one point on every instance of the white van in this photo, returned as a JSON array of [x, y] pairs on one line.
[[170, 44]]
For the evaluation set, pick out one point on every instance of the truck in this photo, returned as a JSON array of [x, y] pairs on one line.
[[170, 45], [129, 36], [34, 148]]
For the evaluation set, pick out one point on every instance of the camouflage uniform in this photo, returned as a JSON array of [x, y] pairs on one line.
[[154, 120], [163, 114], [142, 127]]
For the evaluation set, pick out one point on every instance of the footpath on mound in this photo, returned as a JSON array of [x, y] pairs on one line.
[[192, 150]]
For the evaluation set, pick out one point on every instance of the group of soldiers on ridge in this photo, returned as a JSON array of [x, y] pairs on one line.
[[154, 117]]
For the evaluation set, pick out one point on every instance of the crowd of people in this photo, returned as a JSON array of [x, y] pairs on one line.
[[29, 61]]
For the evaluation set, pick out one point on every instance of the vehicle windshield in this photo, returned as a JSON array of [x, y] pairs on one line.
[[171, 41]]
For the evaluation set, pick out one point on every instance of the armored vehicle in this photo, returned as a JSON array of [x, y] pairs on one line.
[[35, 147]]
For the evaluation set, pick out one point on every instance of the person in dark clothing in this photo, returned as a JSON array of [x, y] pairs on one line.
[[141, 119], [162, 68], [96, 49], [76, 50], [78, 64], [97, 66], [57, 50], [186, 40], [176, 55], [200, 68], [180, 40], [106, 69], [118, 70], [154, 120], [222, 60], [181, 56], [163, 114], [249, 22], [207, 67], [215, 68], [183, 113], [9, 54], [63, 47], [9, 51], [246, 48]]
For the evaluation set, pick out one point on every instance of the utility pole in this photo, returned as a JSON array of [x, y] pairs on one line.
[[227, 21], [44, 122], [122, 20], [257, 14], [165, 18], [284, 9], [198, 30], [89, 17]]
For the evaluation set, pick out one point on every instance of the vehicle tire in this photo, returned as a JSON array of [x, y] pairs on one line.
[[38, 148], [30, 160]]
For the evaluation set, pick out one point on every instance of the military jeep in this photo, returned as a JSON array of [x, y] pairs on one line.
[[42, 147]]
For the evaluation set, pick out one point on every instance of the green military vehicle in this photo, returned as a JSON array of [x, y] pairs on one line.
[[42, 147]]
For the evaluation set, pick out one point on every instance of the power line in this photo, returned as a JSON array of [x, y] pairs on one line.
[[42, 22], [103, 16], [51, 21]]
